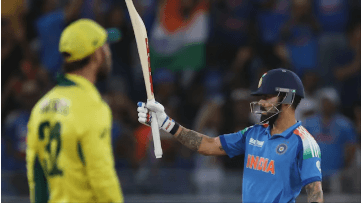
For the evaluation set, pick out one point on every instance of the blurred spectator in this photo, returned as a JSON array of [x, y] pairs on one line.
[[147, 9], [300, 34], [239, 73], [177, 39], [251, 62], [232, 23], [122, 138], [309, 104], [14, 49], [262, 60], [333, 15], [348, 70], [239, 117], [34, 11], [272, 14], [208, 174], [213, 83], [29, 69], [164, 82], [335, 136], [231, 27], [49, 27], [16, 124], [352, 177], [14, 11], [191, 100], [11, 56], [14, 136], [240, 110], [121, 55], [334, 18], [165, 88]]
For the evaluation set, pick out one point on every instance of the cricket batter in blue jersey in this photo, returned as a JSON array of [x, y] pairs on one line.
[[281, 157]]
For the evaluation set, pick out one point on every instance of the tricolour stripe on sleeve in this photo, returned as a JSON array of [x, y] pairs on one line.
[[310, 146], [244, 130]]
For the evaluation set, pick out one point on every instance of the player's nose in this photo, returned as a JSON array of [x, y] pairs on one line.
[[264, 103]]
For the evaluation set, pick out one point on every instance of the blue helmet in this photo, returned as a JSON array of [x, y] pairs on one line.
[[280, 80]]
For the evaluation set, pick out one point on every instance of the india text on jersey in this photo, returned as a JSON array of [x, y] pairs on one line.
[[261, 164]]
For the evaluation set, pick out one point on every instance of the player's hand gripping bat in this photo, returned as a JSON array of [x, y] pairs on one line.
[[144, 53]]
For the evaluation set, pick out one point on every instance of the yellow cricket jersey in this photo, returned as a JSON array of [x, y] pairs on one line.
[[69, 154]]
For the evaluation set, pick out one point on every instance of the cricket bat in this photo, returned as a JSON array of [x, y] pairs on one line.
[[144, 53]]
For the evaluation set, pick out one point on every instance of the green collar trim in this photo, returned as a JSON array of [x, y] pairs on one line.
[[63, 81]]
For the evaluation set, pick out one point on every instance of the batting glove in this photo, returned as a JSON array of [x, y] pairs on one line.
[[164, 122]]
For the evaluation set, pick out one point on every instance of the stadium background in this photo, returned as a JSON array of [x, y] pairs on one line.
[[204, 66]]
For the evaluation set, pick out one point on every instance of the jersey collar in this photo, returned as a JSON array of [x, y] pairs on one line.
[[84, 83], [286, 133]]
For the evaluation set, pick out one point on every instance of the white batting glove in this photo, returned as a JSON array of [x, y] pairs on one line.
[[164, 122]]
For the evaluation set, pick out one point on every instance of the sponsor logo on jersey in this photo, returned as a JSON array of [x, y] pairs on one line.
[[260, 164], [281, 149], [60, 106], [256, 142]]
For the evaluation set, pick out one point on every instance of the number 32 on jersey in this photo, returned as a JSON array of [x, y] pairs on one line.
[[51, 134]]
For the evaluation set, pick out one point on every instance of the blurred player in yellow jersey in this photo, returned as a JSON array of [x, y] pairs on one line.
[[69, 153]]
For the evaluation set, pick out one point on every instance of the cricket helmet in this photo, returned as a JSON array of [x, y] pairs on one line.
[[280, 80]]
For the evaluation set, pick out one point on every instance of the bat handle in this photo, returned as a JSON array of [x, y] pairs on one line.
[[156, 136]]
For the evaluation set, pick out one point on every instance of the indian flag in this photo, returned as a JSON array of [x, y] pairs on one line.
[[176, 43]]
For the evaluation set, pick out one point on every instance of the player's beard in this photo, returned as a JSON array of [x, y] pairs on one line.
[[272, 118]]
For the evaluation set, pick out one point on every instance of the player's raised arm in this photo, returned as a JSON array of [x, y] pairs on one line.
[[199, 142], [202, 143]]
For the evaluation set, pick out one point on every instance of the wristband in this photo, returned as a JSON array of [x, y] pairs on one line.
[[175, 128]]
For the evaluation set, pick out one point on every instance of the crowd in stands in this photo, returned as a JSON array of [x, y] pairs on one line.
[[206, 57]]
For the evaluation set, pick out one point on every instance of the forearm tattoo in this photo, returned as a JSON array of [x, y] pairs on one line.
[[314, 192], [190, 139]]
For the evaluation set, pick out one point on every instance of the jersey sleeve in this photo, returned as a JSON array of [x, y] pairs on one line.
[[309, 160], [96, 149], [234, 143]]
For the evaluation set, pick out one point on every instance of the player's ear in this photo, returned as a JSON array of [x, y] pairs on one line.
[[97, 56]]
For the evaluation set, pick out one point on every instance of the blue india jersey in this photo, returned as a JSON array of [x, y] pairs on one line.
[[276, 167]]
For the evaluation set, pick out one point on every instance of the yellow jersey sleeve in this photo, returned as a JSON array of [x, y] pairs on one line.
[[97, 152]]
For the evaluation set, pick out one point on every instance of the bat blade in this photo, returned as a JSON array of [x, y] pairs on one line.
[[144, 54], [142, 45]]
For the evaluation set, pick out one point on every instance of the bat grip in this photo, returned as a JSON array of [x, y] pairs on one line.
[[156, 136]]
